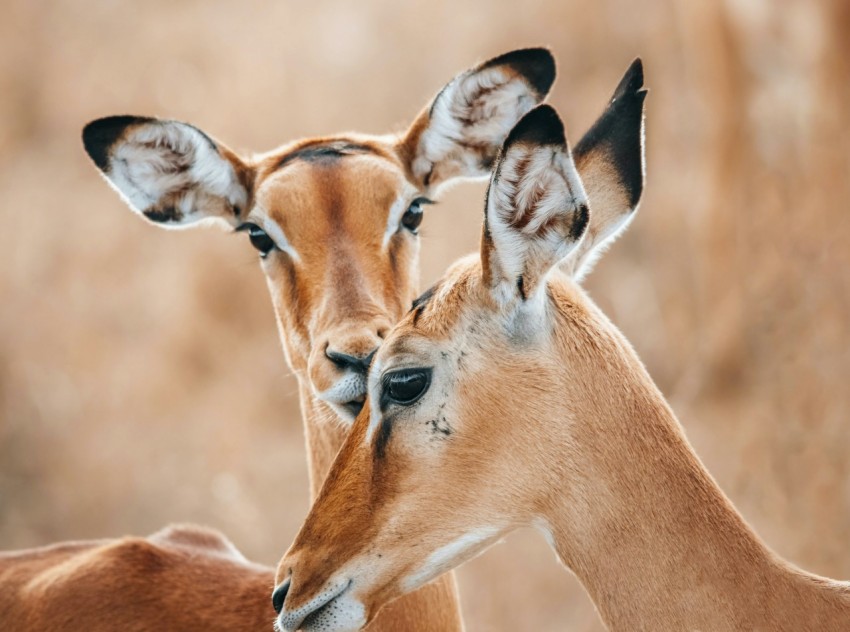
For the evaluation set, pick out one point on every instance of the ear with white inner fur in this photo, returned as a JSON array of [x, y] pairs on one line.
[[610, 159], [170, 172], [459, 135], [537, 210]]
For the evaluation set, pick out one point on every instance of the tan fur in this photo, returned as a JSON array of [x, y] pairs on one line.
[[175, 579], [343, 282], [345, 290], [539, 413], [348, 291]]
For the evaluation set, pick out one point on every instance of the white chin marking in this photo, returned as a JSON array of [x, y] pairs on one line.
[[350, 387], [342, 614]]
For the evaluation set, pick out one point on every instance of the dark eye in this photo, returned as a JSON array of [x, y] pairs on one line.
[[405, 386], [413, 215], [259, 238]]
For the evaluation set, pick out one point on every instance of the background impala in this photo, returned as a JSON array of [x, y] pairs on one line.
[[107, 326]]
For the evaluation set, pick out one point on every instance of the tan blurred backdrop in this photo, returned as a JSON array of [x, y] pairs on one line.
[[141, 378]]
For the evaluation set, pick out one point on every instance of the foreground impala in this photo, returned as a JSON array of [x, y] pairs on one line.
[[335, 220], [506, 398]]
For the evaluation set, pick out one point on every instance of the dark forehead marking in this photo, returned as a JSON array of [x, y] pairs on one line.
[[325, 151], [420, 303]]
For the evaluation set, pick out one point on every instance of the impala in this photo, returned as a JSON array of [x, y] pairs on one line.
[[335, 220], [136, 585], [505, 398]]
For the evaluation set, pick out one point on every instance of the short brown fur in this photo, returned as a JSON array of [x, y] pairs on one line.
[[556, 424], [340, 291], [107, 585]]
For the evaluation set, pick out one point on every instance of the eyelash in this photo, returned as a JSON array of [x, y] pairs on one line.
[[260, 239], [412, 217]]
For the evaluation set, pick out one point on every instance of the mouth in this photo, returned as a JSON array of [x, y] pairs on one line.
[[355, 405], [314, 617]]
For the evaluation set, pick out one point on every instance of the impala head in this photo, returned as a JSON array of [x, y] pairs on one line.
[[448, 455], [334, 219]]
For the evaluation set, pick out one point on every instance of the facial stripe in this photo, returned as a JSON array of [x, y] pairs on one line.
[[260, 216], [374, 389], [393, 218], [383, 436]]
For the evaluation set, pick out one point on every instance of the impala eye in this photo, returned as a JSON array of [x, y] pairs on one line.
[[413, 215], [259, 238], [405, 386]]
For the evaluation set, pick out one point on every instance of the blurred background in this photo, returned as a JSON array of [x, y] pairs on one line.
[[141, 376]]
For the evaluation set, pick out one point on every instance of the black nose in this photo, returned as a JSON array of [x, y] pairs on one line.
[[345, 361], [279, 595]]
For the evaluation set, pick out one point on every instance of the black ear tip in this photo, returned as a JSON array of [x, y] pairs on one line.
[[99, 136], [632, 81], [617, 135], [537, 65], [541, 126], [636, 68]]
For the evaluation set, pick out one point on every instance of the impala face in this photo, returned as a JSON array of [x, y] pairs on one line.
[[436, 468], [335, 219]]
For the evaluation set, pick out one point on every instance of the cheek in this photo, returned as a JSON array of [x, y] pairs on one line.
[[291, 307], [402, 276], [420, 439]]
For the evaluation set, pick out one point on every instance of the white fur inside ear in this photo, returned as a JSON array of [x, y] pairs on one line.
[[470, 117], [534, 187], [173, 164], [594, 248]]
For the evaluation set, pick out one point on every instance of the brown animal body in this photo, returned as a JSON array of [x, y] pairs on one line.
[[136, 585], [505, 398]]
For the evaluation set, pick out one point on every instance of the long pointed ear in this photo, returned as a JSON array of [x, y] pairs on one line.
[[610, 158], [459, 134], [169, 172], [537, 210]]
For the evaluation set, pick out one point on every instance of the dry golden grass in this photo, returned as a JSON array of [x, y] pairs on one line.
[[141, 379]]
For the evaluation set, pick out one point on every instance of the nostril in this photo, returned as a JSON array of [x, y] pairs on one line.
[[342, 360], [279, 595], [346, 361], [367, 361]]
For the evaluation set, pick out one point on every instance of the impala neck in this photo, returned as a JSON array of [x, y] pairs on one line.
[[432, 608], [324, 435], [653, 538]]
